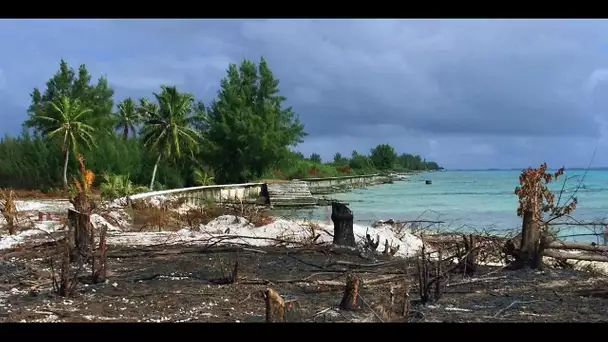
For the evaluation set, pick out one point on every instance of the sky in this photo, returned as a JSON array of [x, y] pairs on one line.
[[465, 93]]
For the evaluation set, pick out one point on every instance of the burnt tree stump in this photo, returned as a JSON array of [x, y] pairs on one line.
[[281, 309], [531, 248], [469, 263], [351, 299], [275, 306], [342, 218], [100, 271], [65, 284], [81, 233]]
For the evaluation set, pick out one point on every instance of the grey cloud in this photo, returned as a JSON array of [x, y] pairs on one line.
[[470, 93]]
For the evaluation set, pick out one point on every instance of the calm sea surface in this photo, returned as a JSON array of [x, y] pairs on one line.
[[470, 200]]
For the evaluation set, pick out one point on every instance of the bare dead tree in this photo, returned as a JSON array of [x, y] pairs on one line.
[[426, 283], [68, 278], [535, 199], [423, 276]]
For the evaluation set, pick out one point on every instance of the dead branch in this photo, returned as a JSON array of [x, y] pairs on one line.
[[406, 299], [185, 250], [475, 280], [360, 265], [336, 283], [370, 244], [423, 276], [511, 305], [389, 249]]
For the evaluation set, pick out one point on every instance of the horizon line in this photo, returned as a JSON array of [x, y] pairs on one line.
[[597, 168]]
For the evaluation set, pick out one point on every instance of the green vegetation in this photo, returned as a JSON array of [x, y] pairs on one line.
[[171, 140], [115, 186]]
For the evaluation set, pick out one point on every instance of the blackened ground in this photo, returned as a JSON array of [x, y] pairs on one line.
[[157, 284]]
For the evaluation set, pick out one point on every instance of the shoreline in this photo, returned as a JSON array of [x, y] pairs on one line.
[[227, 227]]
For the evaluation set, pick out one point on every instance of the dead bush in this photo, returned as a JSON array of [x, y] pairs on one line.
[[202, 215], [313, 235], [8, 209], [155, 219], [256, 215]]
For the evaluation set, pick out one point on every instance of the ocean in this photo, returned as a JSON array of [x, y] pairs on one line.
[[471, 201]]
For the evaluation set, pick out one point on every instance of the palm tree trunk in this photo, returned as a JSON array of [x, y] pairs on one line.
[[125, 132], [65, 168], [154, 171]]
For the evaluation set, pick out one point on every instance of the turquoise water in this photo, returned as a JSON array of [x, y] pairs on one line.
[[471, 200]]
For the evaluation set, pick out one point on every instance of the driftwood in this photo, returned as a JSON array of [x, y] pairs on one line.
[[350, 299], [570, 256], [589, 247], [342, 218]]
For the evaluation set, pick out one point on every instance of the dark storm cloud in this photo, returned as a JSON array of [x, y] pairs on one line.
[[469, 93]]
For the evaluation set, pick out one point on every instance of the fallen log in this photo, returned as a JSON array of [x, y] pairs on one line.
[[569, 256], [561, 245]]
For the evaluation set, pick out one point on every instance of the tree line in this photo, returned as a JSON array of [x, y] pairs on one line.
[[170, 139]]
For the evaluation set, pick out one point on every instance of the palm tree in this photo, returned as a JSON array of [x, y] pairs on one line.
[[203, 178], [167, 127], [66, 122], [127, 117]]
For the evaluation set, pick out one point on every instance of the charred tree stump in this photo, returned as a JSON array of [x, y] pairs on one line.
[[234, 277], [342, 218], [351, 299], [423, 277], [81, 230], [65, 284], [275, 306], [530, 251], [469, 262], [438, 277], [100, 272]]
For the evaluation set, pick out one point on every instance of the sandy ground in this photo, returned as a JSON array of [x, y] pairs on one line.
[[173, 276]]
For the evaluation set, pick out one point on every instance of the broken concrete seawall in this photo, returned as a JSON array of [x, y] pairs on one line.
[[296, 193], [330, 185]]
